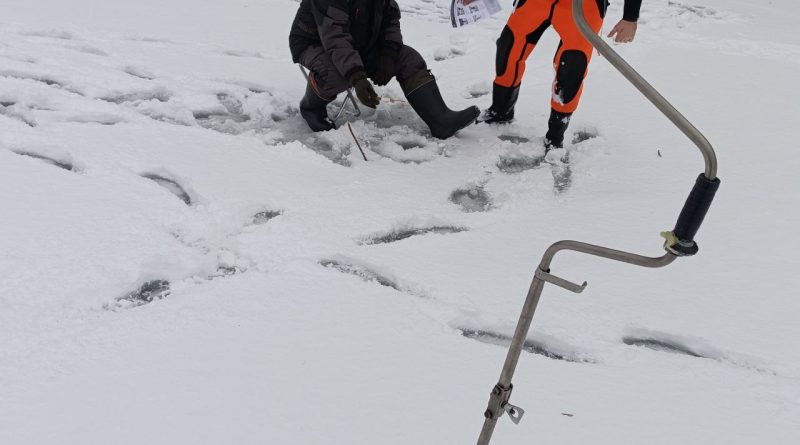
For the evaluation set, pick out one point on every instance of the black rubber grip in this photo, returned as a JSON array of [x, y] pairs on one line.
[[696, 207]]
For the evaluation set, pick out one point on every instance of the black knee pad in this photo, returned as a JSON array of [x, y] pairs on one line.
[[569, 76], [504, 44]]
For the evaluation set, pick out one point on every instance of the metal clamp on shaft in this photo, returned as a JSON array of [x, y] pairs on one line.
[[560, 282], [499, 404]]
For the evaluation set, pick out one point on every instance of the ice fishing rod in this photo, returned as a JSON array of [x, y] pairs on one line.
[[356, 110], [678, 242]]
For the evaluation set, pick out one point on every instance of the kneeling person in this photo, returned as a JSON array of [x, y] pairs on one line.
[[348, 42]]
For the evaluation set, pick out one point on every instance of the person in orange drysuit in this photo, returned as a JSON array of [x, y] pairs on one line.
[[525, 26]]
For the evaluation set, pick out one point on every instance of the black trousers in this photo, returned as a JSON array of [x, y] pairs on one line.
[[329, 82]]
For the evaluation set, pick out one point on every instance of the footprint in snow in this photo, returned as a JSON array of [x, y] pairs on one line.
[[328, 148], [265, 216], [171, 186], [662, 345], [558, 159], [146, 39], [52, 34], [369, 275], [561, 170], [251, 87], [157, 94], [44, 79], [88, 50], [583, 135], [447, 53], [95, 118], [139, 72], [472, 199], [241, 53], [19, 58], [517, 164], [63, 162], [225, 271], [514, 139], [146, 293], [673, 344], [408, 232], [698, 11], [228, 121], [530, 346], [18, 112], [459, 45], [578, 137], [233, 106], [520, 157]]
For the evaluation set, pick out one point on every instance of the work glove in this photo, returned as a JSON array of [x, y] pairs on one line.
[[385, 69], [366, 94]]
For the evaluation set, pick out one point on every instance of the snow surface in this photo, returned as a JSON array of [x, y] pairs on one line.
[[185, 264]]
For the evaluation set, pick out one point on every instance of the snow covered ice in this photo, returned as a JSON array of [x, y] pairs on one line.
[[184, 263]]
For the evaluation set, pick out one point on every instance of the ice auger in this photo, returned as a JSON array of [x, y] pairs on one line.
[[679, 242]]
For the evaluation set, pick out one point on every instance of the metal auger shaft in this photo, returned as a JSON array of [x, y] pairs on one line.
[[680, 241]]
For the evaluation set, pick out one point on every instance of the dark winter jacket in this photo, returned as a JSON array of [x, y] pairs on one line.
[[631, 10], [353, 32]]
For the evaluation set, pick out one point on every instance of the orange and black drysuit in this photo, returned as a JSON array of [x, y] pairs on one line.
[[527, 24], [522, 32]]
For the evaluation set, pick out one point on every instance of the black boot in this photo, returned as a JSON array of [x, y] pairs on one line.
[[427, 101], [314, 110], [502, 109], [556, 127]]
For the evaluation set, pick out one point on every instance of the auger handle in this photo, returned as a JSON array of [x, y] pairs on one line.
[[681, 240]]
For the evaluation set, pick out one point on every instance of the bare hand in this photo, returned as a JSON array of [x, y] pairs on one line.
[[623, 32]]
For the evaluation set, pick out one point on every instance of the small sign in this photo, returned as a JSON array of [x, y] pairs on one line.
[[467, 12]]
